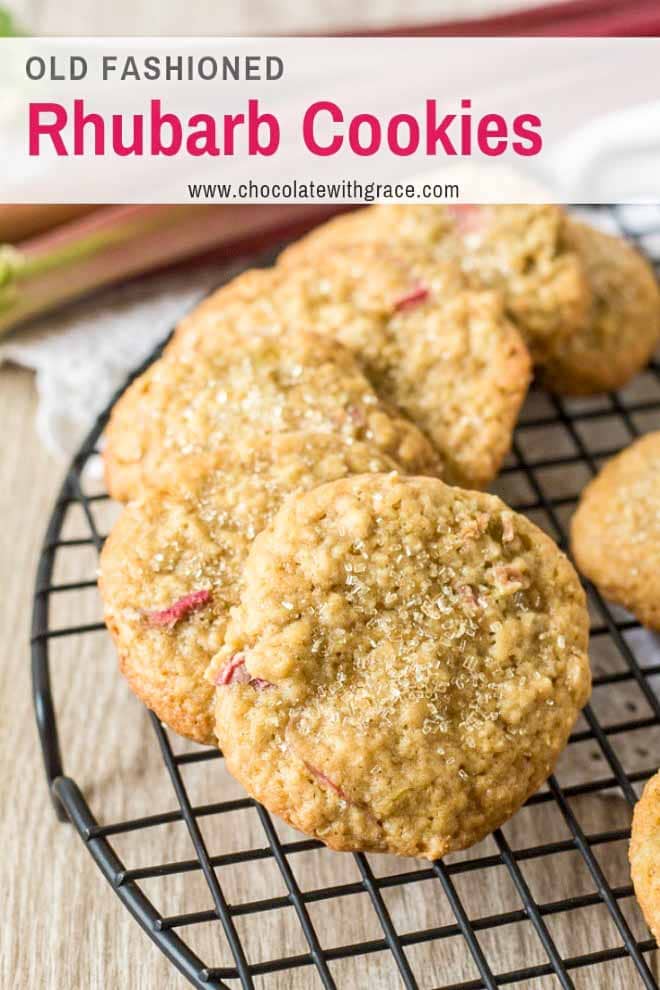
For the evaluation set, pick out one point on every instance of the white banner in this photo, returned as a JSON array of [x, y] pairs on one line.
[[329, 120]]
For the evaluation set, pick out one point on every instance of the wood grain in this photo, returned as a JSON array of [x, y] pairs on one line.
[[62, 929]]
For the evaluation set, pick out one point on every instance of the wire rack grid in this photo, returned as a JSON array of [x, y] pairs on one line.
[[441, 924]]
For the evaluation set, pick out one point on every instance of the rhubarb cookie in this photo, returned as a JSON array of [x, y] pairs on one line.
[[519, 249], [623, 328], [187, 403], [644, 853], [404, 667], [171, 565], [444, 354], [615, 532]]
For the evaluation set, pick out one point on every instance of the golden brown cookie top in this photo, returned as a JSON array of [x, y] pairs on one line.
[[615, 532], [404, 667], [446, 355], [171, 566], [623, 328], [518, 249], [187, 403]]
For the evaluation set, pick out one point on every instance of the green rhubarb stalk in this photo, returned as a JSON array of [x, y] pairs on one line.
[[47, 270], [115, 243], [8, 26]]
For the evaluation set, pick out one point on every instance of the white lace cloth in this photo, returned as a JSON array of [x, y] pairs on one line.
[[84, 353]]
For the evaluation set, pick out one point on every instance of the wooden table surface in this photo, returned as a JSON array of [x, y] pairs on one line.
[[62, 929]]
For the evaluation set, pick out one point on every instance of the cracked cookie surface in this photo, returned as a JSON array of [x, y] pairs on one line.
[[171, 566], [444, 354], [520, 250], [404, 667], [187, 403]]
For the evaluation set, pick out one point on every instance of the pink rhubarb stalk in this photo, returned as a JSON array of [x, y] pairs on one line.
[[21, 220], [115, 243]]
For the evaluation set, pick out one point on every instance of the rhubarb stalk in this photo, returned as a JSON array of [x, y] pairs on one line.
[[118, 242]]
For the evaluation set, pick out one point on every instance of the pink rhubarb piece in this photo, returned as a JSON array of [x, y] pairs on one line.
[[180, 609], [412, 298]]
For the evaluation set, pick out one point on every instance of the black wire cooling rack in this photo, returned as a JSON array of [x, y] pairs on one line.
[[558, 445]]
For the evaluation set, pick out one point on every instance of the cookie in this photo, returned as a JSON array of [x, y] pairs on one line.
[[171, 565], [444, 354], [623, 330], [187, 403], [404, 667], [644, 853], [615, 532], [519, 249]]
